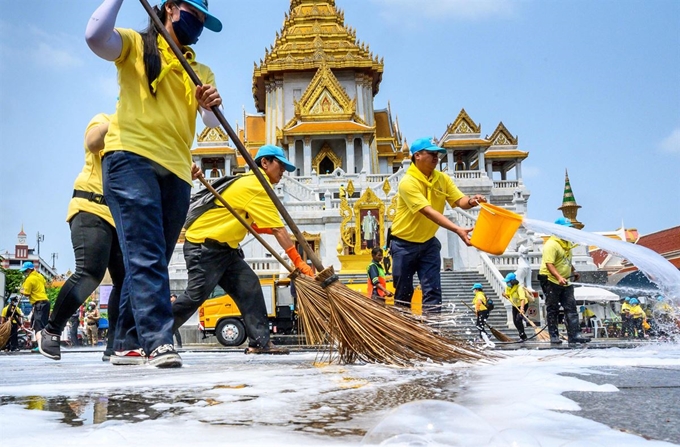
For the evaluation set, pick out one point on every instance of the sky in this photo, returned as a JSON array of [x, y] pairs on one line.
[[588, 87], [225, 398]]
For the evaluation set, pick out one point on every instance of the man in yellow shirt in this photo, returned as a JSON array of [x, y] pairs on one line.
[[12, 311], [423, 193], [213, 255], [556, 270], [34, 289]]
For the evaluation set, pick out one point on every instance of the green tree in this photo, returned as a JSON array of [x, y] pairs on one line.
[[13, 281], [52, 293]]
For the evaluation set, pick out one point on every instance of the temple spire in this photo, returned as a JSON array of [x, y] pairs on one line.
[[569, 206]]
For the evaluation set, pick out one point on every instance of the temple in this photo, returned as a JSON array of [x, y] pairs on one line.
[[314, 94]]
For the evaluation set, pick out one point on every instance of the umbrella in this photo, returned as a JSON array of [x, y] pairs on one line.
[[594, 294]]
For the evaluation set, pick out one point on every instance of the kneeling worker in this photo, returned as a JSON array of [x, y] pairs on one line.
[[213, 255]]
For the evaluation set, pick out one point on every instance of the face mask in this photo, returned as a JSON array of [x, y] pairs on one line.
[[187, 28]]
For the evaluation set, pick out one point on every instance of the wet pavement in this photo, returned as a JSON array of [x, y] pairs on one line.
[[646, 403]]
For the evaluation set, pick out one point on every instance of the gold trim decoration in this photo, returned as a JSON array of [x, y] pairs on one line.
[[502, 136], [212, 135], [369, 222], [463, 124], [392, 209], [326, 151], [310, 237], [346, 230]]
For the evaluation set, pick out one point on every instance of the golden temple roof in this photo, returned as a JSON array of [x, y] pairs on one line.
[[502, 137], [501, 154], [463, 124], [465, 143], [314, 33], [328, 127]]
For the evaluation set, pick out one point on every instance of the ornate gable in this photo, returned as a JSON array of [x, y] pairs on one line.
[[324, 100], [213, 135], [502, 137], [463, 124]]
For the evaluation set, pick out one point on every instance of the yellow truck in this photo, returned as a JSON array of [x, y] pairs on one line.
[[220, 316]]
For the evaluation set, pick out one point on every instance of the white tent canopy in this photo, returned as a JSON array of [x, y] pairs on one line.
[[594, 294]]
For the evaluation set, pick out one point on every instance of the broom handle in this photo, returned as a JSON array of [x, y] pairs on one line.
[[235, 139], [240, 218]]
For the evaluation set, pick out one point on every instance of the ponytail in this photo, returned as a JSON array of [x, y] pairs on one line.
[[152, 58]]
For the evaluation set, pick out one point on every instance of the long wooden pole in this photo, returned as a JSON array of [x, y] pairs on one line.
[[235, 139]]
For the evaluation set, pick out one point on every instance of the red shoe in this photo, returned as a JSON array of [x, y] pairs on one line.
[[133, 357]]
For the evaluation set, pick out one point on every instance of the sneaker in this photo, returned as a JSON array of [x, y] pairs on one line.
[[270, 348], [555, 340], [49, 345], [165, 356], [133, 357]]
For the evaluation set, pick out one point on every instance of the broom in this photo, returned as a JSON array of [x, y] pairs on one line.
[[365, 336], [496, 333], [6, 330], [377, 345], [540, 334]]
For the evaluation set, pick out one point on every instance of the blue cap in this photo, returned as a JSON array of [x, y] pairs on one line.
[[510, 277], [426, 144], [211, 22], [270, 150], [626, 299], [27, 265], [634, 301], [564, 221], [476, 286]]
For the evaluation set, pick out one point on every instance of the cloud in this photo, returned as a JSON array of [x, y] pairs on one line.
[[671, 144], [446, 9]]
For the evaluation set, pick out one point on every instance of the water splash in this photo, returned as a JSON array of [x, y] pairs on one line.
[[657, 269]]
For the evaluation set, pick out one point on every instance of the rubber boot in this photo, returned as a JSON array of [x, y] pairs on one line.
[[574, 329], [552, 330]]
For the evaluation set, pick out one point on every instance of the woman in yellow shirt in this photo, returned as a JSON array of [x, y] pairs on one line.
[[146, 162], [481, 311], [515, 294]]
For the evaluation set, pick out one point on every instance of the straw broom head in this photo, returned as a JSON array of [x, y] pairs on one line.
[[367, 331]]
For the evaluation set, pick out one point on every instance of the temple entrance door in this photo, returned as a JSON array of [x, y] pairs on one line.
[[326, 166]]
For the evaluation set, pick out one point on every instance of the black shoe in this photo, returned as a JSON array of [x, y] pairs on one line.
[[579, 339], [165, 356], [555, 340], [49, 345], [523, 337], [271, 349]]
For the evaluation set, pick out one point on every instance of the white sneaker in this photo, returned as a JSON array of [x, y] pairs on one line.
[[133, 357], [165, 356]]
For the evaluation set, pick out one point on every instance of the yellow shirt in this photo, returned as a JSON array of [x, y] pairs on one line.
[[636, 311], [90, 179], [247, 196], [479, 301], [17, 313], [415, 193], [516, 295], [34, 287], [625, 307], [160, 128], [558, 253], [587, 313]]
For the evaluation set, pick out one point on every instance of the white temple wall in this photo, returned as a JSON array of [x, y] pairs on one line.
[[294, 86]]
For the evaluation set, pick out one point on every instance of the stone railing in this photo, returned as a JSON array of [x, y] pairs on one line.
[[509, 261], [467, 175], [298, 190], [315, 205], [506, 184], [466, 218], [269, 266]]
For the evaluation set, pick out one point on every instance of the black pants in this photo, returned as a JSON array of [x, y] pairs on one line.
[[556, 296], [41, 314], [518, 319], [96, 248], [210, 264], [178, 337], [13, 342], [75, 322], [482, 316]]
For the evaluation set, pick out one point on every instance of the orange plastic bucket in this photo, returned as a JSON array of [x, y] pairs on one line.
[[494, 229]]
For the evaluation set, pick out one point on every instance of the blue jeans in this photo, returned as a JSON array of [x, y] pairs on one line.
[[148, 204], [424, 258]]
